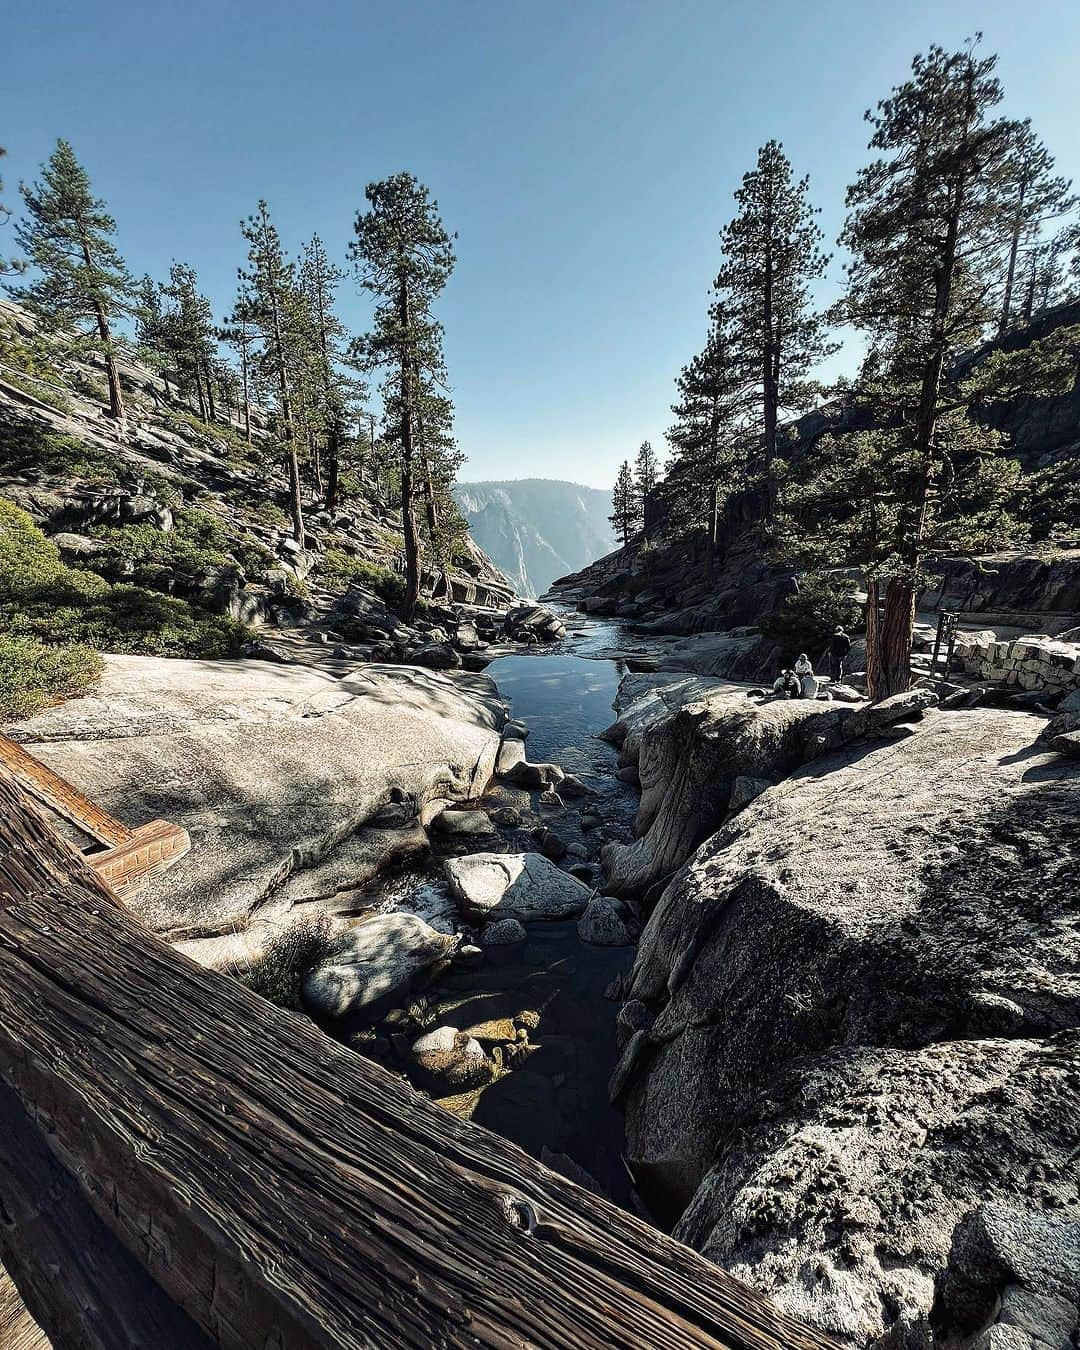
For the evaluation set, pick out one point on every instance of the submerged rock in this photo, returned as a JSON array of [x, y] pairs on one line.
[[451, 1060], [535, 775], [604, 924], [453, 822], [504, 933], [523, 886], [377, 957]]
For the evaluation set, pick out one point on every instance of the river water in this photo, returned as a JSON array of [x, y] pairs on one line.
[[554, 1100]]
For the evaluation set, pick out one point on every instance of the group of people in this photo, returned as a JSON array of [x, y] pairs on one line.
[[800, 681]]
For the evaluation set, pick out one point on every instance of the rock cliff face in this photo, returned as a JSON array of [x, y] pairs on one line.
[[535, 529], [851, 1054]]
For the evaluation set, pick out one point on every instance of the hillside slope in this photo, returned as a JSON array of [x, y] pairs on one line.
[[536, 529], [168, 536]]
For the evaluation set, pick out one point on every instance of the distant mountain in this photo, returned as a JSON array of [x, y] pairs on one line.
[[537, 529]]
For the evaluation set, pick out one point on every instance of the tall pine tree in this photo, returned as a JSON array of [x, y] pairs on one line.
[[67, 237], [1037, 197], [772, 256], [929, 221], [624, 504], [404, 257], [269, 305]]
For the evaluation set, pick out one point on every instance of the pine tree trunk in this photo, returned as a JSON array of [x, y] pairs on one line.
[[408, 518], [202, 396], [894, 642], [1010, 280], [116, 394], [247, 401], [713, 532], [209, 394], [333, 465], [873, 642], [296, 501]]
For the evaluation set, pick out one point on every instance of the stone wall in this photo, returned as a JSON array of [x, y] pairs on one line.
[[1035, 662]]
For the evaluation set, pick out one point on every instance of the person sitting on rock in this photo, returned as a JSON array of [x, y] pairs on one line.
[[839, 646], [787, 685], [804, 671]]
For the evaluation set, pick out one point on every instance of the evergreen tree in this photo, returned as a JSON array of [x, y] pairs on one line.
[[1037, 196], [771, 257], [928, 222], [334, 391], [710, 434], [403, 257], [269, 306], [646, 470], [68, 239], [624, 504], [190, 338], [240, 335]]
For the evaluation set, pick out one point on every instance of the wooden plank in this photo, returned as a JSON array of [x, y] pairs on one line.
[[285, 1192], [18, 1330], [151, 850], [56, 792]]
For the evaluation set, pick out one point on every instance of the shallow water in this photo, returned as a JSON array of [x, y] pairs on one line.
[[557, 1098]]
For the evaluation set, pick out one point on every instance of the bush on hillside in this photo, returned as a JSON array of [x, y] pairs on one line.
[[197, 542], [28, 448], [808, 617], [43, 599], [342, 568], [33, 675]]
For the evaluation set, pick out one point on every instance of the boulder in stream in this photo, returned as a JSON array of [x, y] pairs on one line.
[[377, 957], [523, 886]]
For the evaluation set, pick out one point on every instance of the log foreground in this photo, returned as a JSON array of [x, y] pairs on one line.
[[277, 1189]]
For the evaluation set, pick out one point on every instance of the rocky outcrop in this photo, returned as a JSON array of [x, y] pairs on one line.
[[1035, 662], [856, 1030], [695, 742], [1007, 583], [272, 770]]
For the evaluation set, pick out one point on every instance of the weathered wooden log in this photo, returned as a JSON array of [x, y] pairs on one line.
[[283, 1191]]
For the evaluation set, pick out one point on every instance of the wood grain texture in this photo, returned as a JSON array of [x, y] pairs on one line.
[[285, 1192]]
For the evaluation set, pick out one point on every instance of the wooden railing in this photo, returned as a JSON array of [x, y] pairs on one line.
[[132, 856], [173, 1147]]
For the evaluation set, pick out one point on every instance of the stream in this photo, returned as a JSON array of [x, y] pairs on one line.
[[552, 1099]]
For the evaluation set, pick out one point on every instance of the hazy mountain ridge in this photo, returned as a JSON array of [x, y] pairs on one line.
[[537, 529]]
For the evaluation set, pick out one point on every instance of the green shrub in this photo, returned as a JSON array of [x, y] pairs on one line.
[[43, 392], [197, 542], [43, 599], [25, 447], [280, 971], [33, 675], [807, 618], [342, 568]]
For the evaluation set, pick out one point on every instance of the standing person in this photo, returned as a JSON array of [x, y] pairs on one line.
[[838, 651], [804, 670]]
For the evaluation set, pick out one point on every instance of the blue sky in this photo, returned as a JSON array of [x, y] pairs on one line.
[[585, 152]]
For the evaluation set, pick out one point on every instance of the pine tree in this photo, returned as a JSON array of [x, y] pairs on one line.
[[710, 435], [1037, 196], [335, 391], [68, 239], [190, 337], [771, 257], [929, 219], [403, 257], [624, 504], [269, 306], [646, 470]]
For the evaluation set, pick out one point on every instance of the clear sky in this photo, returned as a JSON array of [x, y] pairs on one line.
[[585, 152]]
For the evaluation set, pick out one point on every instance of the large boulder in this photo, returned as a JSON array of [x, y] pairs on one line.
[[865, 1020], [696, 742], [378, 957], [271, 769], [523, 886], [450, 1060]]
